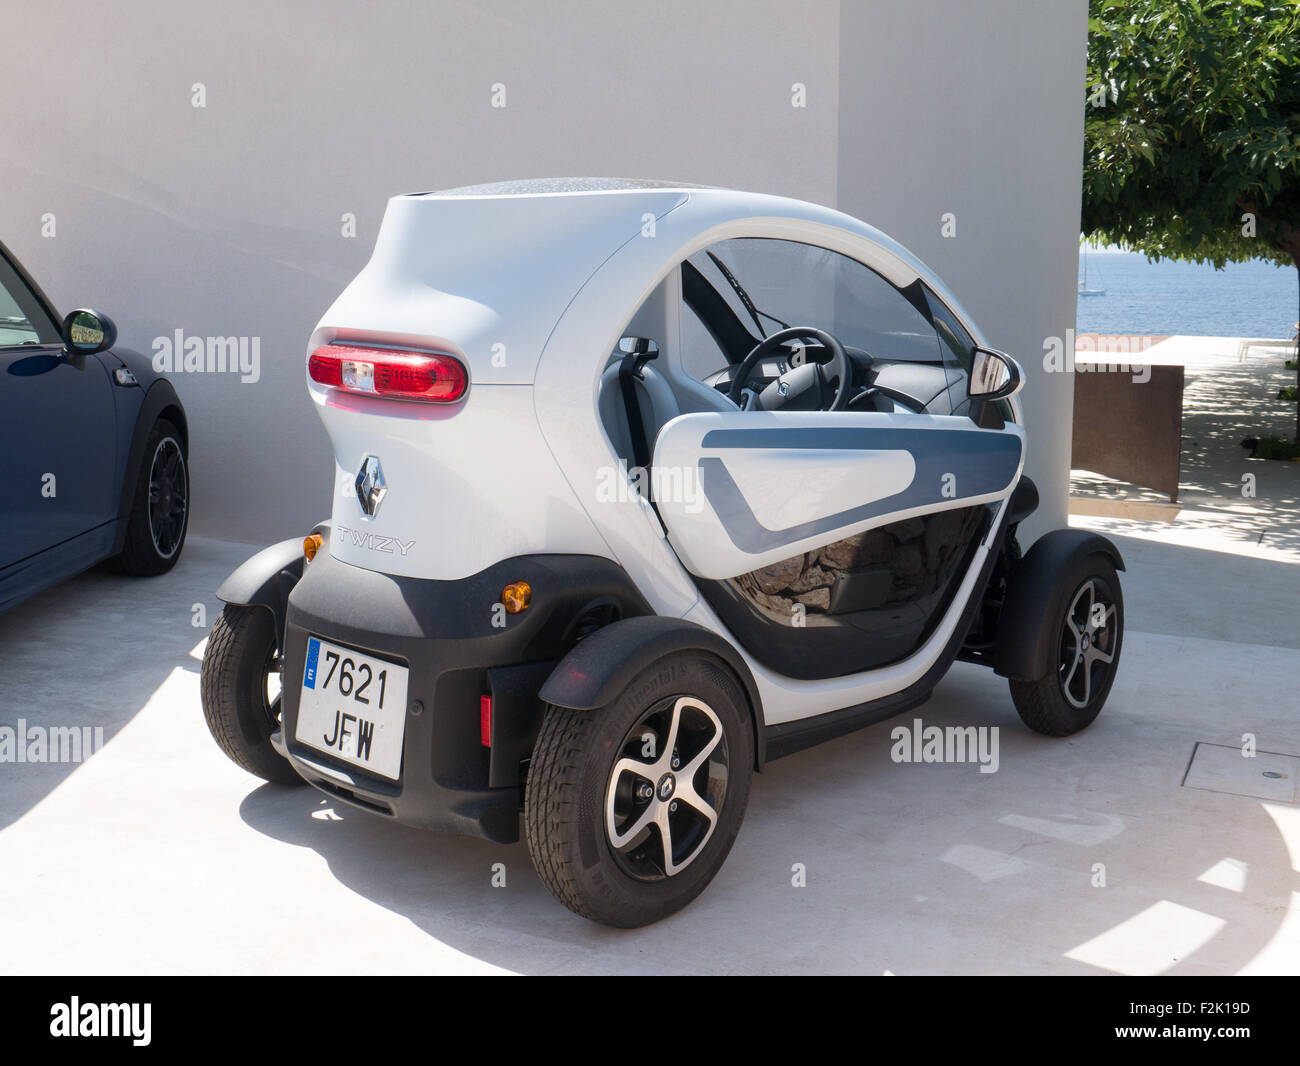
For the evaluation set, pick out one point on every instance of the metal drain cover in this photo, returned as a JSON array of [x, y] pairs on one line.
[[1269, 775]]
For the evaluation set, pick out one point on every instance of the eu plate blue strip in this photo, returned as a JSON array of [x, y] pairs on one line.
[[313, 653]]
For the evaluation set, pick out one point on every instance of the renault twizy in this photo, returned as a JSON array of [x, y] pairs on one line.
[[638, 487]]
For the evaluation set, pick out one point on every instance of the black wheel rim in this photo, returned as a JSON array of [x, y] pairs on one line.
[[269, 689], [168, 497], [666, 788], [1089, 637]]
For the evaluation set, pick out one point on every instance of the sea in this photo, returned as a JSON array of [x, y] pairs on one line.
[[1253, 299]]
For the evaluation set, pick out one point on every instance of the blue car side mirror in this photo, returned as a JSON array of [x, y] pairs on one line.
[[86, 332]]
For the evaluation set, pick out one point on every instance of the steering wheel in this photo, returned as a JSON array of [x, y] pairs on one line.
[[802, 387]]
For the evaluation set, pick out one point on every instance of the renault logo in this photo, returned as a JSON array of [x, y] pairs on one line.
[[371, 486]]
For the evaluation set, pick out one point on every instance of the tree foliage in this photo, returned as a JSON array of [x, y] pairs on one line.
[[1192, 130], [1192, 121]]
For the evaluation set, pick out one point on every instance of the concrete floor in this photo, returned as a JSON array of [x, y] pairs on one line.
[[158, 855]]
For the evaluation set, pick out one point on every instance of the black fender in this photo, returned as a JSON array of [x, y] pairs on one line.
[[1024, 501], [602, 665], [161, 399], [266, 579], [1024, 643]]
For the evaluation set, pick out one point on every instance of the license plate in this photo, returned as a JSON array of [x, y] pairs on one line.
[[354, 707]]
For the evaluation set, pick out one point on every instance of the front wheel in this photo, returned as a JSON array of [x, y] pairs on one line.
[[631, 809], [1089, 620], [240, 687]]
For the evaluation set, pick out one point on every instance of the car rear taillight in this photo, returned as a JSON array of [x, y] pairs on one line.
[[388, 372]]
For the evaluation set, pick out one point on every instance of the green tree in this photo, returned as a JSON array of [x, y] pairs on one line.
[[1192, 130]]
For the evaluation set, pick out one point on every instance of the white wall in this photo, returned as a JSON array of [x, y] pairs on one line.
[[226, 220]]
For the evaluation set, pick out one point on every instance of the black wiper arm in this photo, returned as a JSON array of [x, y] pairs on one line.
[[743, 296]]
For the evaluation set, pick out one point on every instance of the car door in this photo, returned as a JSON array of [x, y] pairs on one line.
[[833, 542], [56, 432]]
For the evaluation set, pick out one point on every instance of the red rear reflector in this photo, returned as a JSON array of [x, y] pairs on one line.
[[485, 720], [326, 370], [398, 375]]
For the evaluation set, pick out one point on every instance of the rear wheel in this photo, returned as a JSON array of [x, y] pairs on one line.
[[1089, 620], [160, 509], [631, 809], [240, 687]]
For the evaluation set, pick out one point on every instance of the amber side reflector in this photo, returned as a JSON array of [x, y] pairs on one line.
[[310, 546], [516, 596]]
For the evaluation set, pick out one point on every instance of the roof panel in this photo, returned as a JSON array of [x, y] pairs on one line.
[[552, 186]]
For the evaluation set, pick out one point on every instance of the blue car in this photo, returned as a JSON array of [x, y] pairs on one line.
[[96, 447]]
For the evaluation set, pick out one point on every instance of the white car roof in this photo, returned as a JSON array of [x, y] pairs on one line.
[[487, 271], [560, 187]]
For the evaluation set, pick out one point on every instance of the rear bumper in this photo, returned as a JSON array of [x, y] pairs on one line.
[[444, 632]]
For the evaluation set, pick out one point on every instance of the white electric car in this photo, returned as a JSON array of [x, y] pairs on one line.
[[639, 486]]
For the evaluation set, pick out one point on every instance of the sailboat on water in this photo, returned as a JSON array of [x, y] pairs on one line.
[[1083, 281]]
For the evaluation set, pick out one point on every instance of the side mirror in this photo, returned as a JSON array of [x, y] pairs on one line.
[[86, 332], [994, 375]]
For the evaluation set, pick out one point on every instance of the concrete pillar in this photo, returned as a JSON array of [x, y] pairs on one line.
[[972, 114]]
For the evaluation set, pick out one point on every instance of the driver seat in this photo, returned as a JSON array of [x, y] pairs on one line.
[[653, 404]]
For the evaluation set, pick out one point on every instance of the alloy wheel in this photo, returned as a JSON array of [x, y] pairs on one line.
[[1088, 639], [168, 497], [666, 788]]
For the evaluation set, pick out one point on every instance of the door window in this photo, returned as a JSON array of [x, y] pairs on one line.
[[701, 353], [765, 285], [22, 319]]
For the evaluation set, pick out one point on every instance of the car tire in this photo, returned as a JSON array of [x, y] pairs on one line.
[[238, 705], [160, 508], [584, 792], [1085, 654]]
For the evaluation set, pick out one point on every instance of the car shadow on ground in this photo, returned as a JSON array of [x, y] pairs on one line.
[[905, 868], [90, 652]]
